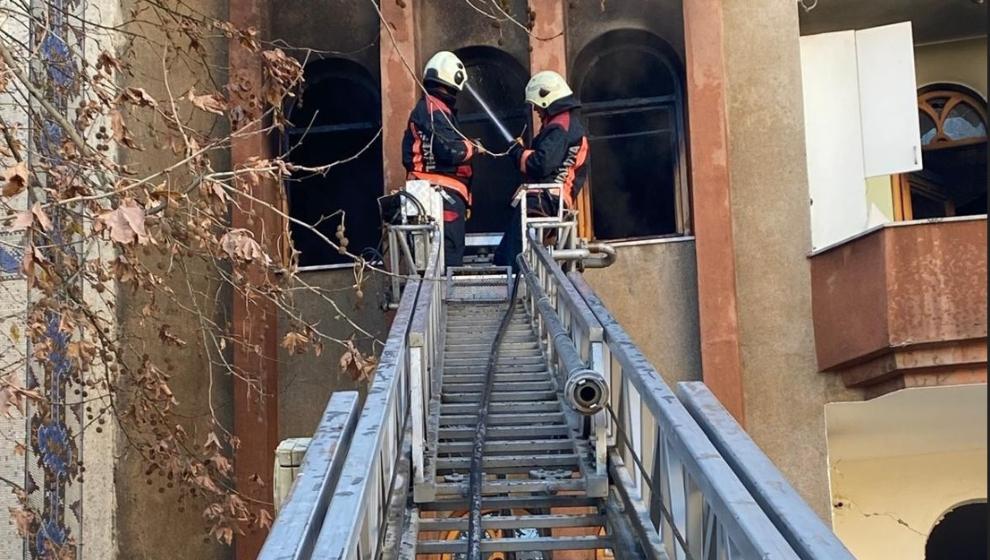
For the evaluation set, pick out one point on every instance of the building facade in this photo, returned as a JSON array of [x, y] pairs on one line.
[[797, 193]]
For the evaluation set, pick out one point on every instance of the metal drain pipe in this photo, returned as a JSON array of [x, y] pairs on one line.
[[591, 255]]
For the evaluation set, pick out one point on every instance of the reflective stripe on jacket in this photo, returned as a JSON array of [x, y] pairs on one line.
[[433, 150]]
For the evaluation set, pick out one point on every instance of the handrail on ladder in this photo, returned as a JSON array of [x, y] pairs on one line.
[[709, 509], [299, 521], [687, 498]]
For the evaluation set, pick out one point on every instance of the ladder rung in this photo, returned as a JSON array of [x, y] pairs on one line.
[[510, 486], [516, 387], [513, 502], [510, 461], [503, 419], [552, 521], [499, 396], [499, 377], [534, 445], [496, 432], [502, 407], [540, 368], [480, 362], [517, 544]]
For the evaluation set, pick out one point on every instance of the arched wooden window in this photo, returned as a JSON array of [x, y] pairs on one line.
[[336, 119], [631, 88], [953, 181], [951, 118]]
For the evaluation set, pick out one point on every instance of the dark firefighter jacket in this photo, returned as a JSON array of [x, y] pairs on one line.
[[559, 153], [432, 150]]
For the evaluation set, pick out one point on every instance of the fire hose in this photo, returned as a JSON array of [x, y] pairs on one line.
[[585, 390]]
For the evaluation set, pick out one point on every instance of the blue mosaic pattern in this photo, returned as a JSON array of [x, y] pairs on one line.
[[54, 424], [10, 262]]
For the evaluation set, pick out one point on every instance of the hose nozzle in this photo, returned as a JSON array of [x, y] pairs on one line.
[[586, 391]]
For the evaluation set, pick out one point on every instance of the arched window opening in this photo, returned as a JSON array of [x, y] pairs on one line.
[[501, 81], [953, 123], [336, 122], [960, 535], [630, 86]]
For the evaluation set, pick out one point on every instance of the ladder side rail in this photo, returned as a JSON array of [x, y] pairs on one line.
[[800, 525], [354, 522], [425, 355], [294, 532], [697, 503], [584, 330]]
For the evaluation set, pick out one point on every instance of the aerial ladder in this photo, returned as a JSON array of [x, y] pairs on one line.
[[512, 417]]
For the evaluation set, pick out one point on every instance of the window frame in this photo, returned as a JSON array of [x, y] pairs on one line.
[[902, 183], [642, 40], [955, 96]]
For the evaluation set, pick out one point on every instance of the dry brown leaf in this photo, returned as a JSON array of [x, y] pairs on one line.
[[107, 63], [359, 366], [212, 441], [240, 245], [117, 125], [295, 342], [168, 337], [22, 221], [23, 520], [15, 179], [125, 223], [138, 96], [264, 518], [209, 102], [39, 214]]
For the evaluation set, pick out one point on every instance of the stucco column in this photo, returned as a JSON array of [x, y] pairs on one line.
[[254, 323], [399, 68], [712, 195], [754, 231], [547, 49]]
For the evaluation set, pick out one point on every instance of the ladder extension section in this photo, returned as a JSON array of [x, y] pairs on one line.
[[624, 468]]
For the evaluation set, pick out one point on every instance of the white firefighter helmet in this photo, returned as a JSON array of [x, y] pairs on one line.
[[545, 88], [446, 68]]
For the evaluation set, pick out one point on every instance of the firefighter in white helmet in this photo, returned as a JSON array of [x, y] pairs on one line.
[[558, 154], [434, 150]]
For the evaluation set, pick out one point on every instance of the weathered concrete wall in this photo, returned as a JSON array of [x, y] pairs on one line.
[[151, 523], [784, 393], [652, 290], [311, 30], [306, 380], [958, 62], [452, 25], [891, 504], [588, 20]]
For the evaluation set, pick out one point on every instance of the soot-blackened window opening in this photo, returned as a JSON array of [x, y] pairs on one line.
[[630, 86], [501, 81], [336, 120]]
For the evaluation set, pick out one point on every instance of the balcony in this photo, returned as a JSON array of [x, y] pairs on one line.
[[904, 305]]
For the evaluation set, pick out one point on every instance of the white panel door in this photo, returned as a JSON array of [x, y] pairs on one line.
[[888, 97], [833, 137]]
